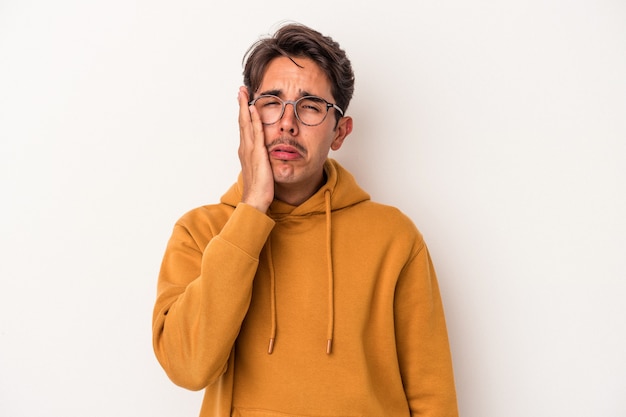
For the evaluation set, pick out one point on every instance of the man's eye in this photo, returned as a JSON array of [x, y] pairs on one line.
[[312, 106]]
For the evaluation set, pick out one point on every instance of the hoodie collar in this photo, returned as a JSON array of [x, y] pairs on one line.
[[343, 188]]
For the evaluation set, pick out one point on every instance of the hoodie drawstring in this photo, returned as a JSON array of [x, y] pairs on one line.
[[331, 278], [331, 284], [270, 265]]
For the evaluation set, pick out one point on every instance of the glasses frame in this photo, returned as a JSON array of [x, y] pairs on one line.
[[294, 103]]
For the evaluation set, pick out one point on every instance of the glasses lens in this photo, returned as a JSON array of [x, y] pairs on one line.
[[312, 110], [270, 109]]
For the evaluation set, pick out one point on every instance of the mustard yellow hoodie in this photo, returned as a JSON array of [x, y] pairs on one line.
[[330, 308]]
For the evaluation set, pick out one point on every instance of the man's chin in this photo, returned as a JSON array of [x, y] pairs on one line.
[[283, 171]]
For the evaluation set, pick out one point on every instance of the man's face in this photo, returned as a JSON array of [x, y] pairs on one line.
[[296, 151]]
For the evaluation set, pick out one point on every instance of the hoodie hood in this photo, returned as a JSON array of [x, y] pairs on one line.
[[340, 191], [343, 188]]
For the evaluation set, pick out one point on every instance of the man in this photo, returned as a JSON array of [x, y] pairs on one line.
[[296, 295]]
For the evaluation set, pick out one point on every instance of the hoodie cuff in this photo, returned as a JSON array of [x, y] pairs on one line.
[[248, 229]]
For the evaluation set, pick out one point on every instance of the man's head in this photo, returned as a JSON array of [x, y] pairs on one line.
[[293, 80], [299, 41]]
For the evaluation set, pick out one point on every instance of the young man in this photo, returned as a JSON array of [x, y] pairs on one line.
[[296, 295]]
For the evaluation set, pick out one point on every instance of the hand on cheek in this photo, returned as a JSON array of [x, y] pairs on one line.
[[258, 180]]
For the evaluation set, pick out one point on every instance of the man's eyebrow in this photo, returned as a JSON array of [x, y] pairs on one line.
[[278, 93], [271, 93]]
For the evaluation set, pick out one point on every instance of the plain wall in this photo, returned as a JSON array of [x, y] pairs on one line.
[[499, 127]]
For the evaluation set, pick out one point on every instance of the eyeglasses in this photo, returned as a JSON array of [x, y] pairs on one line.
[[309, 110]]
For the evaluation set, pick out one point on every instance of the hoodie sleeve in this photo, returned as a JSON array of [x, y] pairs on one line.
[[422, 341], [203, 295]]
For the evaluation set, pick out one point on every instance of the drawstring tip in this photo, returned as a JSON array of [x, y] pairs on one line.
[[270, 349], [329, 346]]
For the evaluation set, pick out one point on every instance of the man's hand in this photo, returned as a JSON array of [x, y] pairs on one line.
[[258, 179]]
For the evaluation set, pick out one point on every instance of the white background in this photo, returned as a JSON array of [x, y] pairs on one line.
[[498, 126]]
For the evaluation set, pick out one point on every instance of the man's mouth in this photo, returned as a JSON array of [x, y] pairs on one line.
[[286, 151]]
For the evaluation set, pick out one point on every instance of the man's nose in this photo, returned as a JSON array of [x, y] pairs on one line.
[[289, 121]]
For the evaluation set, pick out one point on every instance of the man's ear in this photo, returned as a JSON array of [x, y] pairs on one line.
[[343, 129]]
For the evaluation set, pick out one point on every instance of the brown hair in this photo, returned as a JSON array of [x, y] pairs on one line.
[[298, 41]]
